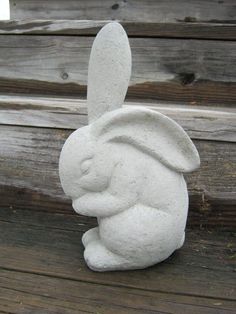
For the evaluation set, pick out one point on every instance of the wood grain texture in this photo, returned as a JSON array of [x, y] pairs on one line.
[[190, 71], [24, 292], [41, 260], [225, 31], [29, 176], [130, 10], [209, 123], [50, 275]]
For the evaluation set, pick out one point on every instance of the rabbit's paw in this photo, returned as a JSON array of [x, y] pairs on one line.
[[99, 258], [90, 235]]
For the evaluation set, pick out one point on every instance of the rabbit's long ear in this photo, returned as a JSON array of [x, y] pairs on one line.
[[109, 71], [150, 132]]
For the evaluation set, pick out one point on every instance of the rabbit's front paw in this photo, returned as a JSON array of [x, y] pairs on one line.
[[90, 235], [99, 258]]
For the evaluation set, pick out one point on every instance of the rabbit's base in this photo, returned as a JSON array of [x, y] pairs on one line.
[[99, 258]]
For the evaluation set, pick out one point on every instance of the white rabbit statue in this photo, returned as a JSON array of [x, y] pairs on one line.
[[125, 167]]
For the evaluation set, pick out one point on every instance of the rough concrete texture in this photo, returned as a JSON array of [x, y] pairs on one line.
[[125, 168]]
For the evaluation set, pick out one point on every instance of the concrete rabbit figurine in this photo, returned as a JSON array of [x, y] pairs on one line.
[[125, 167]]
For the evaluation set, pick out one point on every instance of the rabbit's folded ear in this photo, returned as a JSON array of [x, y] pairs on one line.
[[150, 132], [109, 70]]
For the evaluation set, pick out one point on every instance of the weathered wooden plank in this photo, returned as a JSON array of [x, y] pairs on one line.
[[190, 71], [27, 292], [131, 10], [209, 123], [225, 31], [205, 258], [29, 175], [217, 212]]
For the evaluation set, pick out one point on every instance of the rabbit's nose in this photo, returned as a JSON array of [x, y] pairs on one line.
[[72, 186], [75, 192]]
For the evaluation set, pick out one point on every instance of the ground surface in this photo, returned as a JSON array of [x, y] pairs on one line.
[[42, 271]]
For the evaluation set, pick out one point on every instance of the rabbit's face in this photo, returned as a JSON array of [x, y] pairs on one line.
[[83, 165], [76, 155], [92, 159]]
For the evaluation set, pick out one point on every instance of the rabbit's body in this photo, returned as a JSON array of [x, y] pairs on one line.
[[125, 168], [153, 227], [148, 237], [141, 216]]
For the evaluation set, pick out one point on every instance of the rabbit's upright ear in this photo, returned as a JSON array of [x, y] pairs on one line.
[[150, 132], [109, 71]]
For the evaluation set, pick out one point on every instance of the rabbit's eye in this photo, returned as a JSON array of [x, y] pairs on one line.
[[85, 165]]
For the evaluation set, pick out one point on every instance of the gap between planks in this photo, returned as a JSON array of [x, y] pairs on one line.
[[179, 30], [209, 123]]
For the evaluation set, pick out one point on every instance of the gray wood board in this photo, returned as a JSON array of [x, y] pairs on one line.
[[29, 292], [42, 269], [189, 71], [210, 123], [225, 31], [130, 10], [29, 175]]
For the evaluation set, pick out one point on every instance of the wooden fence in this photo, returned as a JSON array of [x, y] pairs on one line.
[[184, 65]]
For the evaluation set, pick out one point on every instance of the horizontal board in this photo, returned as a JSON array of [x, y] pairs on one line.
[[189, 71], [27, 292], [29, 170], [225, 31], [25, 247], [127, 10], [209, 123]]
